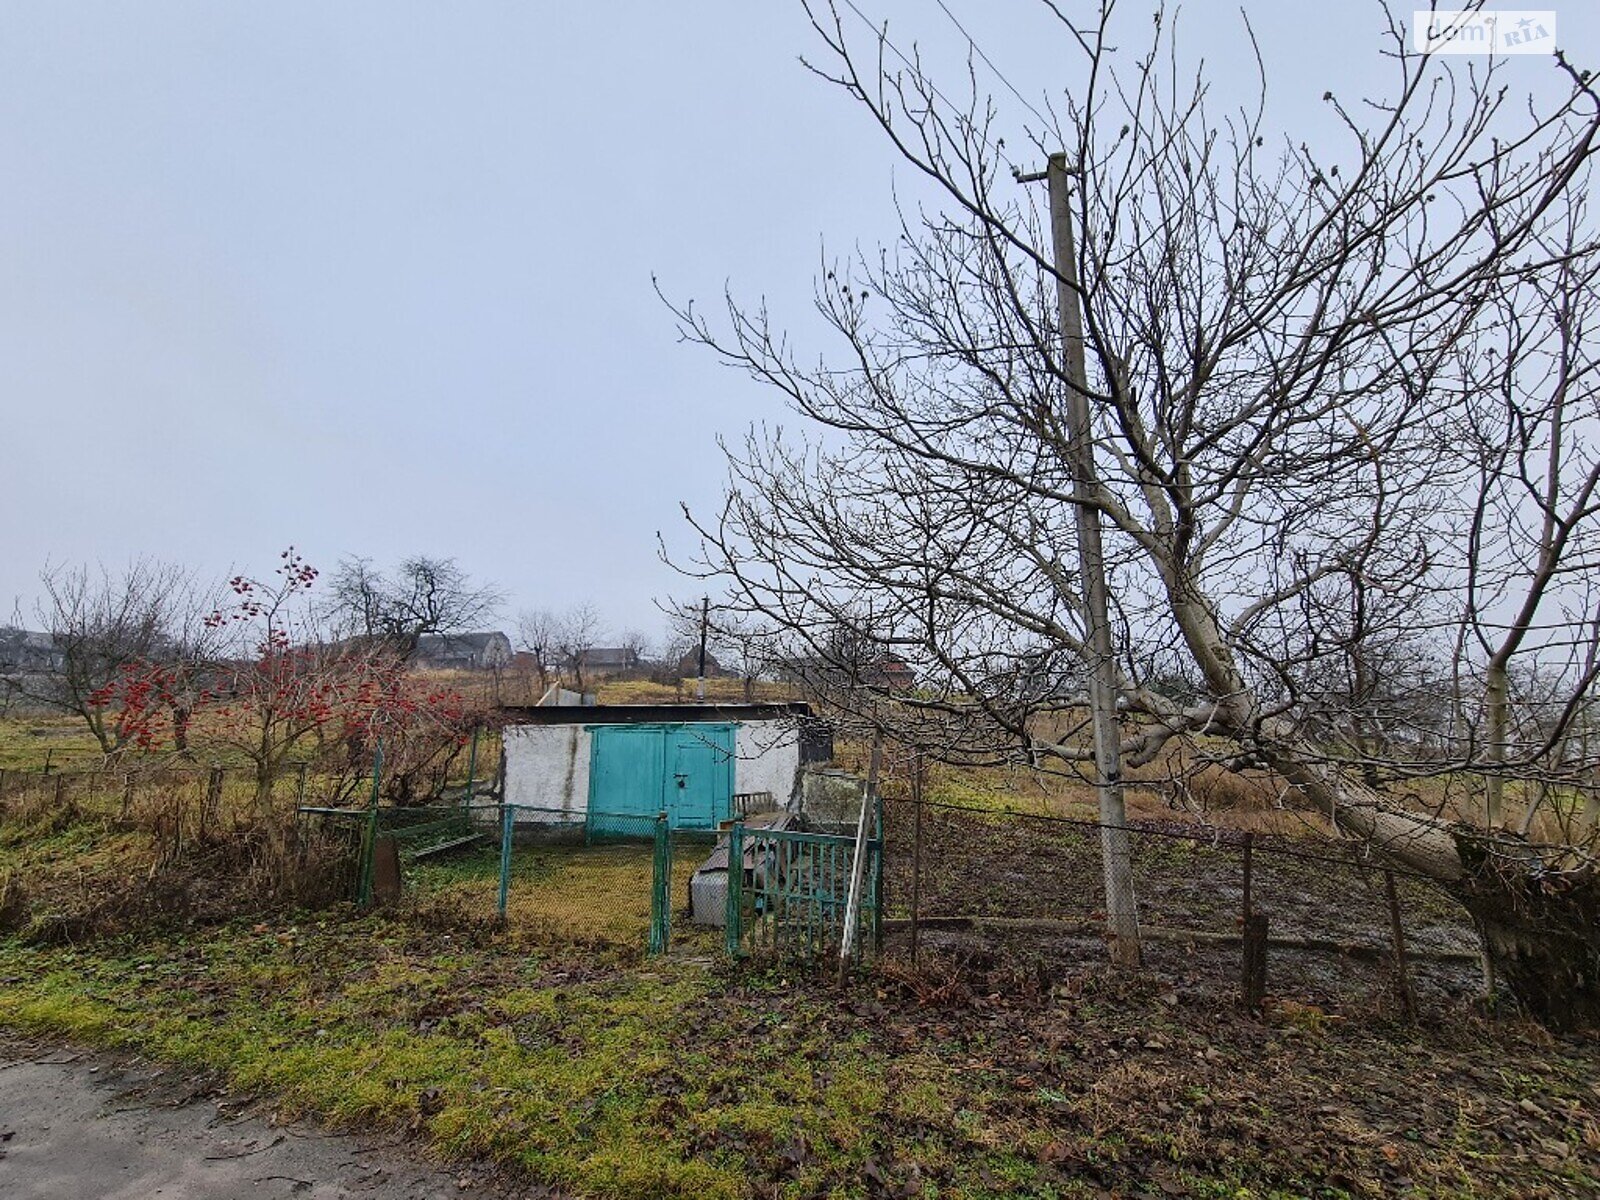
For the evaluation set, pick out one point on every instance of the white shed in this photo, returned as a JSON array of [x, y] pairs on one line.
[[619, 765]]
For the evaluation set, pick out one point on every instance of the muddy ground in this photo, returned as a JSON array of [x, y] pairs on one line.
[[75, 1125], [985, 865]]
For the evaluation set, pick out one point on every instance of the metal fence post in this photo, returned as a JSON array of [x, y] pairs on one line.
[[369, 841], [733, 915], [1253, 967], [916, 864], [472, 767], [1253, 981], [661, 888], [211, 810], [1249, 847], [508, 824], [877, 880], [1397, 931]]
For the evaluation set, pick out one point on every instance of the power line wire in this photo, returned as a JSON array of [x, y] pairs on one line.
[[989, 62], [882, 35]]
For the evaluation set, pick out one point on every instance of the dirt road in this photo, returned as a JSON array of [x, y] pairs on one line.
[[80, 1126]]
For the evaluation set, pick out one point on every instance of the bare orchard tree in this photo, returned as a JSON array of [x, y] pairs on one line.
[[538, 634], [1531, 596], [422, 596], [734, 643], [102, 624], [578, 632], [1343, 410]]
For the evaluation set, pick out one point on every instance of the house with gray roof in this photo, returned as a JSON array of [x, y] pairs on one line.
[[463, 651]]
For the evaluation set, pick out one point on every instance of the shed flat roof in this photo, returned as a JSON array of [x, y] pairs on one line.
[[650, 714]]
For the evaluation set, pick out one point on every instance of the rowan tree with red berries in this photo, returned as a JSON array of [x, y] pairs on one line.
[[284, 694]]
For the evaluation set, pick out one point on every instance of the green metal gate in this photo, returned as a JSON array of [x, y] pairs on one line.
[[788, 893]]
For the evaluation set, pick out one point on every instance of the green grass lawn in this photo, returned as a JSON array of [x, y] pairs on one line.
[[612, 1080], [598, 894]]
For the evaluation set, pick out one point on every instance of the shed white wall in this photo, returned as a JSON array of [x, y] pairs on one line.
[[768, 758], [547, 766]]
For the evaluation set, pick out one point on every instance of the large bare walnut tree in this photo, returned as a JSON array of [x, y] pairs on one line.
[[398, 609], [1344, 408]]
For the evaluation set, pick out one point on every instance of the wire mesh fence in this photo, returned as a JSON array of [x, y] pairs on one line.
[[593, 878], [1329, 924], [597, 878], [1029, 887]]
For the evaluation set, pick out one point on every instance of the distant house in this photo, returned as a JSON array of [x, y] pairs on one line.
[[463, 651], [28, 652], [895, 674], [885, 672], [689, 666], [599, 661]]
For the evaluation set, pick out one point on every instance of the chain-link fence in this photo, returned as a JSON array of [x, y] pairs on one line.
[[589, 878], [1216, 907]]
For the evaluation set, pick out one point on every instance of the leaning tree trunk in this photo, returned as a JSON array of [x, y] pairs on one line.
[[1540, 925], [1539, 916]]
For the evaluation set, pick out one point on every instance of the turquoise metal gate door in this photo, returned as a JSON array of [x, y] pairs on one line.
[[700, 790], [624, 780], [639, 771]]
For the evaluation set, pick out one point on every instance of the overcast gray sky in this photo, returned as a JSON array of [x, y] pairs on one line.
[[374, 278]]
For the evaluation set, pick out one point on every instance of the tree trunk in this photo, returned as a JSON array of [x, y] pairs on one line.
[[262, 800], [267, 766], [1496, 705], [1541, 924], [1542, 933], [181, 718]]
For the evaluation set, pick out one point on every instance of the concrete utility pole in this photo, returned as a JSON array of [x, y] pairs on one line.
[[1122, 914], [705, 627]]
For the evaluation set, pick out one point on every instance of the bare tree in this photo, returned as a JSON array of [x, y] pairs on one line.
[[579, 630], [422, 596], [539, 634], [637, 643], [102, 624], [1532, 550], [1306, 450], [278, 691]]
